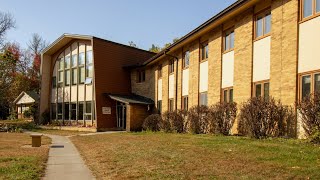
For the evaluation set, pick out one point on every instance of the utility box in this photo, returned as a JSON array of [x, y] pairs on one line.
[[36, 140]]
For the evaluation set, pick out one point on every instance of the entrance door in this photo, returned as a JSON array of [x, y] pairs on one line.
[[121, 115]]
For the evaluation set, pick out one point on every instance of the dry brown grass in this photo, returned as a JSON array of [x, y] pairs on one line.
[[59, 132], [18, 160], [185, 156]]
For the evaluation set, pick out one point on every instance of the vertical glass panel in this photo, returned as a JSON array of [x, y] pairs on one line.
[[81, 58], [67, 62], [227, 42], [80, 115], [317, 83], [73, 111], [225, 96], [88, 107], [54, 81], [74, 76], [160, 106], [89, 57], [186, 59], [258, 90], [81, 75], [53, 111], [268, 24], [60, 76], [259, 27], [307, 8], [231, 95], [207, 51], [66, 111], [266, 91], [74, 60], [61, 64], [89, 70], [318, 6], [59, 111], [306, 86], [67, 77], [232, 40]]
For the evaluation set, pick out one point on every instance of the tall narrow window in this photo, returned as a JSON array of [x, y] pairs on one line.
[[88, 113], [67, 62], [231, 95], [89, 67], [159, 106], [67, 77], [258, 90], [263, 24], [317, 83], [74, 76], [229, 40], [73, 111], [66, 111], [141, 76], [306, 86], [171, 105], [59, 111], [204, 51], [81, 75], [171, 66], [81, 59], [60, 71], [74, 60], [159, 71], [227, 94], [266, 91], [203, 99], [317, 6], [186, 59], [54, 81], [80, 111], [261, 89], [185, 103], [53, 111], [310, 8]]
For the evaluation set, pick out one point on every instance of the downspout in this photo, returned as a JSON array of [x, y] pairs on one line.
[[176, 59]]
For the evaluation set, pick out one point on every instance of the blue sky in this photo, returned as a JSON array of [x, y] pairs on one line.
[[145, 22]]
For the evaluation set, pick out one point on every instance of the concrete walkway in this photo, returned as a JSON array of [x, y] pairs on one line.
[[65, 161]]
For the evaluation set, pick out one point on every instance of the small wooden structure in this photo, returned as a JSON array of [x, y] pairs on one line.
[[36, 140], [24, 101]]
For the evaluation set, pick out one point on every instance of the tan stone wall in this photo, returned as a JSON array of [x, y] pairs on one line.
[[165, 85], [284, 40], [147, 88], [194, 74], [136, 114], [215, 49]]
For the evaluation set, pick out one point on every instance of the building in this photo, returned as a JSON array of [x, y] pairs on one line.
[[252, 48], [24, 101], [84, 82]]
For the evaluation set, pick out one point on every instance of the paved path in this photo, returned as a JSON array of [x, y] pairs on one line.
[[65, 161]]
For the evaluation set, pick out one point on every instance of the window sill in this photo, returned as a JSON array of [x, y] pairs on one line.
[[227, 51], [204, 60], [262, 37], [309, 18], [172, 73], [185, 68]]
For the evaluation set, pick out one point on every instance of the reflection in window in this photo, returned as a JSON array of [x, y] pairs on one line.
[[186, 59], [306, 86], [81, 75], [81, 58], [229, 40], [185, 103], [89, 57], [203, 99], [67, 77], [67, 62], [74, 76], [80, 111], [74, 60], [258, 90], [73, 111], [307, 8]]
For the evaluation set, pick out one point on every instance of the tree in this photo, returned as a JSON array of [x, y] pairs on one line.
[[132, 44], [155, 48], [6, 22]]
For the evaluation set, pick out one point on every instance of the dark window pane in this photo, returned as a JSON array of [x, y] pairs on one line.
[[259, 27], [266, 91], [306, 86], [232, 40], [73, 111], [318, 6], [66, 111], [307, 8], [54, 82], [185, 103], [207, 51], [268, 24], [225, 96], [231, 95], [258, 90], [227, 42], [171, 105], [88, 107], [160, 106], [317, 83], [53, 111], [80, 116]]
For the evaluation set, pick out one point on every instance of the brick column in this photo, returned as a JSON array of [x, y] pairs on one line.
[[194, 75]]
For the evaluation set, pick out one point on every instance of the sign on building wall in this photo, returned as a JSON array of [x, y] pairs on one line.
[[106, 110]]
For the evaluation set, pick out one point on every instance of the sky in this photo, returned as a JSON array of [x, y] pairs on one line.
[[145, 22]]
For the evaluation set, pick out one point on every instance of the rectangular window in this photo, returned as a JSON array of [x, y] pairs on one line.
[[159, 106], [66, 111], [203, 99], [159, 71], [88, 107], [229, 40], [81, 59], [89, 71], [185, 103], [262, 89], [171, 105], [186, 59], [53, 111], [310, 8], [67, 77], [141, 76], [317, 6], [74, 76], [89, 57], [81, 75], [54, 81], [73, 111], [317, 83], [171, 66], [74, 60], [60, 76], [59, 111], [204, 51], [266, 88], [227, 94], [263, 24], [67, 62], [61, 64], [80, 111], [258, 90], [306, 86]]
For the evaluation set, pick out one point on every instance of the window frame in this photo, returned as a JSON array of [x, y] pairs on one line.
[[141, 76], [183, 105], [171, 66], [184, 66], [225, 35], [312, 84], [159, 106], [203, 51], [202, 93], [314, 13], [171, 104], [263, 14], [228, 90], [160, 71], [262, 83]]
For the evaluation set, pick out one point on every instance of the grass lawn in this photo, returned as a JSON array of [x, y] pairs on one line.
[[59, 132], [186, 156], [20, 162]]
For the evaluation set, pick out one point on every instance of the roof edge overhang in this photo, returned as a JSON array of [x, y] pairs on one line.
[[213, 22]]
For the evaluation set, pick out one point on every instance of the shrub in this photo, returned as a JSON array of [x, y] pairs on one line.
[[45, 117], [197, 120], [260, 118], [173, 121], [152, 123], [309, 111], [221, 118]]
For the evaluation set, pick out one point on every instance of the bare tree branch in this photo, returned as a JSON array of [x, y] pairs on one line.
[[6, 22]]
